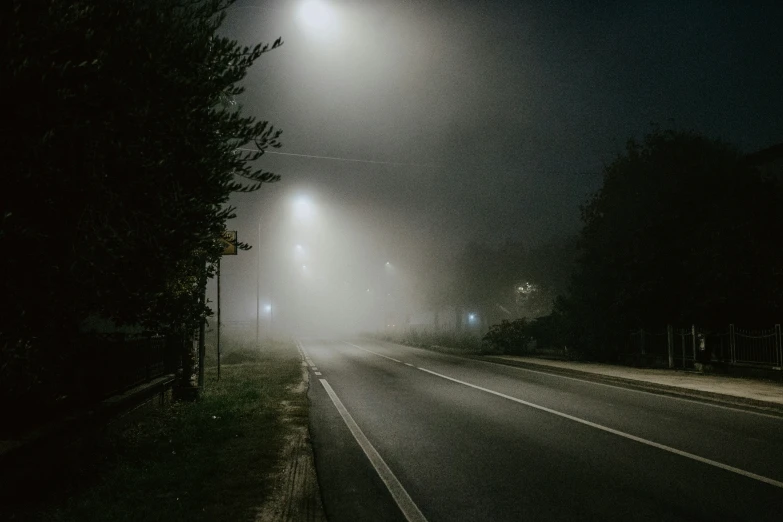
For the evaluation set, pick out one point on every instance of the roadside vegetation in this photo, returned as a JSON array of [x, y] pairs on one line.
[[682, 232], [209, 460], [115, 210], [445, 341]]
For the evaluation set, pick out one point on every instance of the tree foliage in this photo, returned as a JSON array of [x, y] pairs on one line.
[[488, 278], [682, 231], [119, 141]]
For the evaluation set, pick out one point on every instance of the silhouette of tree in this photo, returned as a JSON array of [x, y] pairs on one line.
[[682, 231], [119, 140]]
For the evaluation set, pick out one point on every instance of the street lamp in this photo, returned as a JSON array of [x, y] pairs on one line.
[[318, 17], [303, 208]]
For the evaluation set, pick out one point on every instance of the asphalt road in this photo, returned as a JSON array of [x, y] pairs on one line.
[[401, 434]]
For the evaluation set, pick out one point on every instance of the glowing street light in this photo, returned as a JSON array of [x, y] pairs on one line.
[[303, 208], [318, 17]]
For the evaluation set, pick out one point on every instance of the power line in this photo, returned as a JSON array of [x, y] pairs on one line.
[[352, 160]]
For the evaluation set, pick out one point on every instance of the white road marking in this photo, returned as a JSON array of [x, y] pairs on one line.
[[619, 433], [398, 493], [375, 353], [409, 364], [702, 402], [317, 373]]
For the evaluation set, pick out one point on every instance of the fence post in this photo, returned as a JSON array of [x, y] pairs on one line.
[[732, 344], [148, 357], [670, 343], [779, 354], [682, 338], [693, 334]]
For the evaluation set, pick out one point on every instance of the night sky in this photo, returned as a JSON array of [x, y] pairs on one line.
[[517, 105], [506, 112]]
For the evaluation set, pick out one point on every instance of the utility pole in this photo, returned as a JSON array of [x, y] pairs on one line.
[[218, 319], [202, 346], [258, 283]]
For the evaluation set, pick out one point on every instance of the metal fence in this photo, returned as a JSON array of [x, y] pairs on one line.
[[733, 346], [109, 365], [757, 347]]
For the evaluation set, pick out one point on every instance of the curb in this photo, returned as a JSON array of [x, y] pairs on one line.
[[661, 389]]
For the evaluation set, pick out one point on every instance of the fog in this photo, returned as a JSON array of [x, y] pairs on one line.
[[414, 128], [322, 269]]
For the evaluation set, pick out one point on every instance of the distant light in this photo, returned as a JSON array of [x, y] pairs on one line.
[[472, 316], [317, 16], [368, 289], [387, 263], [304, 267], [299, 247], [268, 308], [303, 208]]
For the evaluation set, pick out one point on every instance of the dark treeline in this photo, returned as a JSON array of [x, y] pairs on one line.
[[118, 140], [685, 230], [497, 282]]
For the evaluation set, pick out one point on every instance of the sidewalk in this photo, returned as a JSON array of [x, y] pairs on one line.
[[735, 390]]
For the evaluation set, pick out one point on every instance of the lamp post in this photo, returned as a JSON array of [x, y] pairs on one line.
[[258, 284]]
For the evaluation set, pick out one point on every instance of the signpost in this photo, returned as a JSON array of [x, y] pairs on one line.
[[229, 240]]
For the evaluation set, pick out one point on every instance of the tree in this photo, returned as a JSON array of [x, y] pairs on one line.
[[501, 282], [682, 231], [120, 152]]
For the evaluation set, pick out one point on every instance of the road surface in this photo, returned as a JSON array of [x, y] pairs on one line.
[[402, 434]]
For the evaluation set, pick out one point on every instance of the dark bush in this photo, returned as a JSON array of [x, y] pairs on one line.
[[511, 337]]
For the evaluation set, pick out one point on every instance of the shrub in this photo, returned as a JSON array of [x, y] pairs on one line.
[[512, 337]]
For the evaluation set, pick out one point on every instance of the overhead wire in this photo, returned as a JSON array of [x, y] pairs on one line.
[[338, 158]]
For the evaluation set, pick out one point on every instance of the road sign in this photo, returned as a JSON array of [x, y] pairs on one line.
[[229, 240]]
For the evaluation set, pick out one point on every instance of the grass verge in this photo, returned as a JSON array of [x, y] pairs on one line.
[[211, 460]]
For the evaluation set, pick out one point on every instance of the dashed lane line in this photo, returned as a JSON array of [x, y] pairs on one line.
[[619, 433], [601, 427], [375, 353]]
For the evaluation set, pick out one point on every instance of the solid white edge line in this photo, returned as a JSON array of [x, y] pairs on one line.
[[619, 433], [398, 493]]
